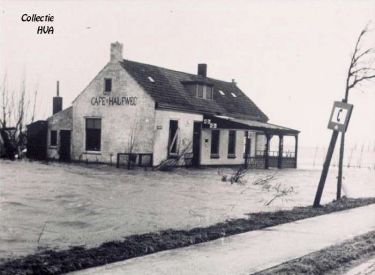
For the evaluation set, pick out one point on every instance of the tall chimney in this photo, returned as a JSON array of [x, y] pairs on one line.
[[116, 52], [202, 70], [57, 102]]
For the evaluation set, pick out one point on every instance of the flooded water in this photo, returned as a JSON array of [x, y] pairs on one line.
[[58, 205]]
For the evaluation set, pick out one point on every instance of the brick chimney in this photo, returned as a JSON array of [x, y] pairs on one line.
[[116, 52], [57, 100], [202, 70]]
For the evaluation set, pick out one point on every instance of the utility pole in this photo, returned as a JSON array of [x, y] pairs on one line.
[[341, 157]]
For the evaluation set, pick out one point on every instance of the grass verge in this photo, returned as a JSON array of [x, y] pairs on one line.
[[329, 259], [76, 258]]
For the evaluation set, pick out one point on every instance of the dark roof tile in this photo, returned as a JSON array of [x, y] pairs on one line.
[[169, 91]]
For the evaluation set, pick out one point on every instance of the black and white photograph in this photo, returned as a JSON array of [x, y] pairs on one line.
[[187, 137]]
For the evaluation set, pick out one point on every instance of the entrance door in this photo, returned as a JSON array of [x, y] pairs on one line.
[[196, 142], [172, 141], [64, 151]]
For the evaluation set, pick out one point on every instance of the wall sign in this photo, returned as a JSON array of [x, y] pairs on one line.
[[208, 124], [114, 101], [340, 116]]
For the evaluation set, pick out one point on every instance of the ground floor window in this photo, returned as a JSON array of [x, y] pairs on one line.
[[53, 141], [215, 141], [93, 134], [232, 144]]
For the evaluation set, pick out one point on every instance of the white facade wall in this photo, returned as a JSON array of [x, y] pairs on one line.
[[185, 135], [118, 122], [223, 147]]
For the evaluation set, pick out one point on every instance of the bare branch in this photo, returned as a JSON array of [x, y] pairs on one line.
[[358, 70], [359, 80], [34, 105], [368, 51], [363, 69]]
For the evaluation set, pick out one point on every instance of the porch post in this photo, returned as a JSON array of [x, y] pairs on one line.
[[281, 145], [296, 150], [266, 152]]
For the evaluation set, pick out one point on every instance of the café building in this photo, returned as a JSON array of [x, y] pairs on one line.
[[145, 114]]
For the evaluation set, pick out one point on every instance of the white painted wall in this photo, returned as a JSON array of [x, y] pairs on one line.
[[118, 122], [185, 137], [223, 147]]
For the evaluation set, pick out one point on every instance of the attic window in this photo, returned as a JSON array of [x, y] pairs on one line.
[[107, 85], [233, 94], [221, 92], [203, 91], [151, 79]]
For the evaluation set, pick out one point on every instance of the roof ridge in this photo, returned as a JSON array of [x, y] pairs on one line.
[[177, 71]]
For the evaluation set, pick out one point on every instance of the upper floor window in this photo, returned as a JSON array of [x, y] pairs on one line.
[[107, 85], [200, 91], [209, 93], [204, 91]]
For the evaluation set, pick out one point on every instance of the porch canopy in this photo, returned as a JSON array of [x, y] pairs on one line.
[[267, 129]]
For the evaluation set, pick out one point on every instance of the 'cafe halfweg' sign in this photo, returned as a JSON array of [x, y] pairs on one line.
[[114, 101]]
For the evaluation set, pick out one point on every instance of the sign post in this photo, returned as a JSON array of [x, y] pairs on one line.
[[338, 122]]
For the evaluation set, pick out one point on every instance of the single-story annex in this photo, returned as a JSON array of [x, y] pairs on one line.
[[147, 114]]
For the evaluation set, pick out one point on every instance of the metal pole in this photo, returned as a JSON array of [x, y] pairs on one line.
[[341, 160], [341, 157], [326, 164]]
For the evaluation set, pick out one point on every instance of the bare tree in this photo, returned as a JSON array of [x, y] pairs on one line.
[[132, 143], [15, 114], [361, 70]]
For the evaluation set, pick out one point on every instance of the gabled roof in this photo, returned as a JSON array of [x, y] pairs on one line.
[[168, 91]]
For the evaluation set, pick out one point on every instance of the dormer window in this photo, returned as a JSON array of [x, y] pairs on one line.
[[233, 94], [107, 85], [204, 91], [221, 92], [151, 79], [200, 89]]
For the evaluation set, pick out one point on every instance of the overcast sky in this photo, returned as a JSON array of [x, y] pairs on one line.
[[289, 57]]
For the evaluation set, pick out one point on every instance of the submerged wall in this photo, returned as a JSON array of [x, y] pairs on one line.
[[185, 135], [223, 158]]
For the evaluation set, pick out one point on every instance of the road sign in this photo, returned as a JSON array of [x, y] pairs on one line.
[[340, 116]]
